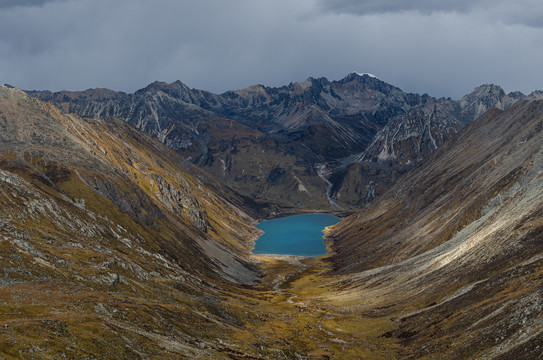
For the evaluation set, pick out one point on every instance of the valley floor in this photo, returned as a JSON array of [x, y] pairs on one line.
[[304, 309], [296, 312], [302, 313], [301, 309]]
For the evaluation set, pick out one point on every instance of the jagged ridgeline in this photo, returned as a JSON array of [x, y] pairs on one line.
[[316, 144]]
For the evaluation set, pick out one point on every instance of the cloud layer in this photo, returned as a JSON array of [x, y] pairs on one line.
[[22, 3], [444, 49], [523, 12], [393, 6]]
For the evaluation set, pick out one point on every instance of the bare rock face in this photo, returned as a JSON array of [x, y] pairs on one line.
[[411, 137]]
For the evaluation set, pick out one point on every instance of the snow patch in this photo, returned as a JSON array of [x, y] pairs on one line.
[[362, 74]]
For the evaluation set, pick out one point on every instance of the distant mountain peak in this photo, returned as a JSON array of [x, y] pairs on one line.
[[363, 78], [486, 90], [178, 83], [160, 85], [257, 89]]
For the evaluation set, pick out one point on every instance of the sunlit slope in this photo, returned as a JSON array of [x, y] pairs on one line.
[[452, 255]]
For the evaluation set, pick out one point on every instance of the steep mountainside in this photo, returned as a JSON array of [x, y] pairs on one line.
[[248, 160], [453, 253], [105, 232], [411, 137]]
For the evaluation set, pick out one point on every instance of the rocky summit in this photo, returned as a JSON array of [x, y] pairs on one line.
[[127, 223]]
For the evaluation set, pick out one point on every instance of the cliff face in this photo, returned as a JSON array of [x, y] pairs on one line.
[[458, 241], [358, 133]]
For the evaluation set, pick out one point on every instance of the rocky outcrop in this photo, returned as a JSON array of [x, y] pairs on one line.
[[180, 201]]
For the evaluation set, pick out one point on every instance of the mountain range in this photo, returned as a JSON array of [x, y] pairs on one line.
[[309, 145], [118, 243]]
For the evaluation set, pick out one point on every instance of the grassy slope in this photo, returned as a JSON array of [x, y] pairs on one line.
[[102, 250]]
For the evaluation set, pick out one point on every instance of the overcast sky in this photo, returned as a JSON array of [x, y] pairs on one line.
[[443, 48]]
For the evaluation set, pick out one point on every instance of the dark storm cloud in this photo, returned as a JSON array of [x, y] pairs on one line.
[[524, 12], [15, 3], [445, 49], [365, 7]]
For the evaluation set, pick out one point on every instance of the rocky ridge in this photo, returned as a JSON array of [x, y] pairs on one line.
[[409, 138], [248, 136]]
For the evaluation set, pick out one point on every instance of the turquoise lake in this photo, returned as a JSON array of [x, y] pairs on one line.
[[294, 235]]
